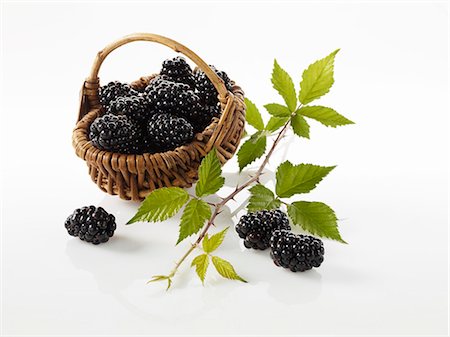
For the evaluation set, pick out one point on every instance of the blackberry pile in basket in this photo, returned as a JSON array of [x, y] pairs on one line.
[[166, 114]]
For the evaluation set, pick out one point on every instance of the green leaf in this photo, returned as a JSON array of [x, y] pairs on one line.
[[317, 79], [302, 178], [160, 205], [201, 264], [278, 110], [262, 198], [210, 244], [324, 115], [194, 216], [316, 218], [253, 116], [225, 269], [282, 83], [252, 149], [275, 123], [210, 178], [300, 126]]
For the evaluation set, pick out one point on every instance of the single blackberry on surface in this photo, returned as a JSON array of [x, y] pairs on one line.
[[115, 134], [91, 224], [167, 132], [178, 70], [134, 107], [256, 228], [296, 252], [204, 87], [170, 97], [113, 90]]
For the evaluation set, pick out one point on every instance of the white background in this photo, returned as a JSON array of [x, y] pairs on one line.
[[390, 188]]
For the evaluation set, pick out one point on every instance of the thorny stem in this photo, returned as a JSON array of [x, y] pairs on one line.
[[218, 207]]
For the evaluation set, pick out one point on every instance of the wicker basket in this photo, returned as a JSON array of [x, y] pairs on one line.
[[133, 176]]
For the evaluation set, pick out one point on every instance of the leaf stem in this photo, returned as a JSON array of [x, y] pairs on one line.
[[218, 207]]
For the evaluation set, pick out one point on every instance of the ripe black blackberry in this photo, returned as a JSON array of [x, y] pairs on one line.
[[113, 90], [205, 89], [203, 115], [134, 107], [170, 97], [91, 224], [179, 71], [296, 252], [167, 132], [256, 228], [115, 133]]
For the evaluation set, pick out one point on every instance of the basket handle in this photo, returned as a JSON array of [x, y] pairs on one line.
[[178, 47]]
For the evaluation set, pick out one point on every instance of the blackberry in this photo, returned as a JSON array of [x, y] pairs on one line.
[[115, 133], [256, 228], [113, 90], [170, 97], [167, 132], [179, 71], [205, 89], [91, 224], [134, 107], [203, 116], [296, 252]]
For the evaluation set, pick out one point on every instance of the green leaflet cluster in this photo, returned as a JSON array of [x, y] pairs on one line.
[[314, 217], [164, 203], [316, 81]]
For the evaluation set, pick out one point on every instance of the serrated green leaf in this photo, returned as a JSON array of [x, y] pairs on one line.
[[278, 110], [275, 123], [210, 178], [262, 198], [324, 115], [210, 244], [302, 178], [225, 269], [195, 214], [282, 83], [252, 149], [316, 218], [317, 79], [300, 126], [160, 205], [253, 116], [201, 264]]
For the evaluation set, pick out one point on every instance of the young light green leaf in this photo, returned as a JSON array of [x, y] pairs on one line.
[[210, 178], [300, 126], [316, 218], [275, 123], [317, 79], [302, 178], [262, 198], [201, 263], [225, 269], [157, 278], [252, 149], [253, 116], [282, 83], [324, 115], [278, 110], [160, 205], [194, 217], [210, 244]]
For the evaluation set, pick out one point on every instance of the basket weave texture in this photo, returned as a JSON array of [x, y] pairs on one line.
[[134, 176]]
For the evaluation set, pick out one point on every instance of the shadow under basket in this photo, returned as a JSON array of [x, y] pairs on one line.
[[134, 176]]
